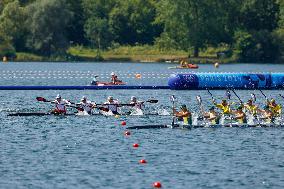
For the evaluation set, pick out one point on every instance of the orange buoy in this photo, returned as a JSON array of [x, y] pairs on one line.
[[5, 59], [123, 123], [138, 76], [157, 185], [143, 161], [135, 145], [127, 133]]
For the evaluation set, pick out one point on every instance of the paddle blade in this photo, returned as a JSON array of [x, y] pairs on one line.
[[152, 101], [228, 94], [41, 99], [173, 98], [198, 98], [103, 109], [253, 97]]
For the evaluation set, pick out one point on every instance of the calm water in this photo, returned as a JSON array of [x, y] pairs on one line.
[[92, 152]]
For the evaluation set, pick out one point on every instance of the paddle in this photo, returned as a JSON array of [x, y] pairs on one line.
[[199, 102], [213, 99], [173, 99], [281, 96], [263, 94], [41, 99], [228, 94], [237, 96], [253, 97]]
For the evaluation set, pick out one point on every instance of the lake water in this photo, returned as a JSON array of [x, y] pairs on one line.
[[93, 152]]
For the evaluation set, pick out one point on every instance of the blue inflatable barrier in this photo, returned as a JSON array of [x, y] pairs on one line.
[[193, 81], [79, 87]]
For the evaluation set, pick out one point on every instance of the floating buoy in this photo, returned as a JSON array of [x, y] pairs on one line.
[[127, 133], [123, 123], [138, 76], [157, 185], [5, 59], [135, 145], [143, 161], [216, 65]]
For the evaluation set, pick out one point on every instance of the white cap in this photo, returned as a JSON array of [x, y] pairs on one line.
[[112, 73], [110, 98], [83, 98], [133, 98], [58, 96]]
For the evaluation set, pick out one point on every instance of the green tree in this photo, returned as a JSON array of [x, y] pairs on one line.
[[13, 24], [259, 15], [132, 21], [48, 22], [96, 27], [195, 23]]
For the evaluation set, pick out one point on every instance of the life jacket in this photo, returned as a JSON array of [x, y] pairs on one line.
[[276, 110], [225, 109], [86, 106], [113, 106], [137, 105], [252, 109], [60, 106]]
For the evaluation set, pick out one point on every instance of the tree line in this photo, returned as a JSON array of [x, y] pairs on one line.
[[253, 30]]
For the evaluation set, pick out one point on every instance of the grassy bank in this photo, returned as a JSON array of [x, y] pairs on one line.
[[143, 53]]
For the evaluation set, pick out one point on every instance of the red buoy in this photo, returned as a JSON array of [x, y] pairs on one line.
[[123, 123], [135, 145], [143, 161], [127, 133], [157, 185]]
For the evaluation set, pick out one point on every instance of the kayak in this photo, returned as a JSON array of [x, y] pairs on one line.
[[27, 114], [189, 66], [200, 126], [109, 83]]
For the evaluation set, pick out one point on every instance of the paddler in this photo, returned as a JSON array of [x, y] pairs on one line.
[[60, 105], [275, 108], [114, 78], [240, 116], [184, 115], [224, 106], [212, 116], [251, 108], [138, 105], [112, 105], [267, 114], [95, 80], [86, 105]]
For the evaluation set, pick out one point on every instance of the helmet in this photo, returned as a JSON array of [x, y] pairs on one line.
[[272, 100], [110, 98], [83, 98], [266, 107], [112, 74], [183, 106], [58, 96]]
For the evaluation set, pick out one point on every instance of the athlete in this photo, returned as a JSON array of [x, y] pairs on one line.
[[60, 105], [251, 108], [135, 103], [114, 78], [240, 116], [267, 114], [112, 105], [275, 108], [212, 116], [184, 115], [224, 106], [95, 81], [86, 105]]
